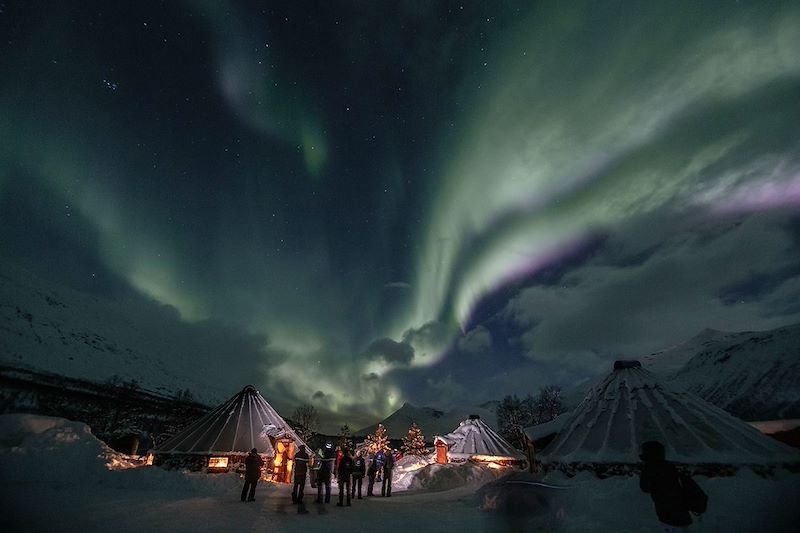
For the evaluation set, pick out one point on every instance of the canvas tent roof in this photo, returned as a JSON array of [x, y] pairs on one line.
[[244, 422], [630, 406], [474, 438]]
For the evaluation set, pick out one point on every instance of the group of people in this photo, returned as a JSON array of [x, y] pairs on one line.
[[673, 494], [349, 472]]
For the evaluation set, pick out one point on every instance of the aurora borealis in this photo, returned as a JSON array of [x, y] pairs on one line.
[[434, 202]]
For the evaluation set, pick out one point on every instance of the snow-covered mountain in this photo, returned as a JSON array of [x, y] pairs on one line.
[[431, 421], [753, 375], [667, 363], [54, 329]]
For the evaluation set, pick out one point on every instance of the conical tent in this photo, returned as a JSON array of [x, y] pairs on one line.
[[631, 406], [244, 422], [475, 440]]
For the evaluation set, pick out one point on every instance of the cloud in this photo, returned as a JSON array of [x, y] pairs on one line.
[[605, 310], [447, 391], [430, 341], [476, 342], [391, 351]]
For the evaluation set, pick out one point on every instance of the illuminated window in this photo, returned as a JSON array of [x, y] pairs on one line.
[[218, 462]]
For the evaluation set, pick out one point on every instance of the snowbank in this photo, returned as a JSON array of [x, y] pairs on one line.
[[407, 468], [36, 448], [438, 477], [64, 453]]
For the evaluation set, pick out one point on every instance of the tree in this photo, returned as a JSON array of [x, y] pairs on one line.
[[414, 443], [548, 404], [306, 420], [514, 414], [345, 438], [378, 440]]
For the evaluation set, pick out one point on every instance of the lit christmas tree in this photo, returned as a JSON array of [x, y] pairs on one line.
[[345, 438], [378, 441], [414, 443]]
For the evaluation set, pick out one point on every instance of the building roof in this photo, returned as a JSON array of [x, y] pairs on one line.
[[244, 422], [474, 438], [631, 406]]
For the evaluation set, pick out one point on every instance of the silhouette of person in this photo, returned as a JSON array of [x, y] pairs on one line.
[[300, 469], [344, 471], [371, 471], [660, 479], [324, 473], [359, 468], [252, 474], [386, 484]]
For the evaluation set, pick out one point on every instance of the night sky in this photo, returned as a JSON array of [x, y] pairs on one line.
[[434, 202]]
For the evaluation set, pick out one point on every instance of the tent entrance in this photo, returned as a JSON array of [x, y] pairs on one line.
[[284, 461]]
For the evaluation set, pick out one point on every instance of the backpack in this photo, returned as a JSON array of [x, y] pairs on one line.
[[693, 496], [379, 459]]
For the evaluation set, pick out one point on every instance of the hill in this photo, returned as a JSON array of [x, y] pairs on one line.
[[51, 328]]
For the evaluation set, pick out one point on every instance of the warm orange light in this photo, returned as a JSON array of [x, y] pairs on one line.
[[218, 462], [278, 460], [149, 460]]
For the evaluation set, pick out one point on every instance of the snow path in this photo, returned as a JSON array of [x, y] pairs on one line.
[[742, 503], [127, 510]]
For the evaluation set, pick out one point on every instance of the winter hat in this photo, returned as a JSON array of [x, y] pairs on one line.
[[253, 451], [652, 451]]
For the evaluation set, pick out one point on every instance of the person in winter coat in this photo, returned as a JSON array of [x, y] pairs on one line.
[[359, 468], [252, 474], [300, 470], [380, 459], [660, 479], [371, 471], [344, 472], [386, 484], [339, 455], [324, 473]]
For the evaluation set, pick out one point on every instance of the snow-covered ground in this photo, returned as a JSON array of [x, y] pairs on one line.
[[55, 476]]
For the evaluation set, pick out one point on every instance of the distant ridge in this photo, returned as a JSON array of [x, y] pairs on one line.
[[753, 375], [431, 421]]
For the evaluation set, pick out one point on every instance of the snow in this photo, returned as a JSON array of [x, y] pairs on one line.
[[56, 476], [548, 428], [407, 468]]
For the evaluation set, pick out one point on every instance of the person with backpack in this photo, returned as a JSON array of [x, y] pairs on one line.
[[252, 474], [673, 494], [359, 468], [344, 471], [386, 484]]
